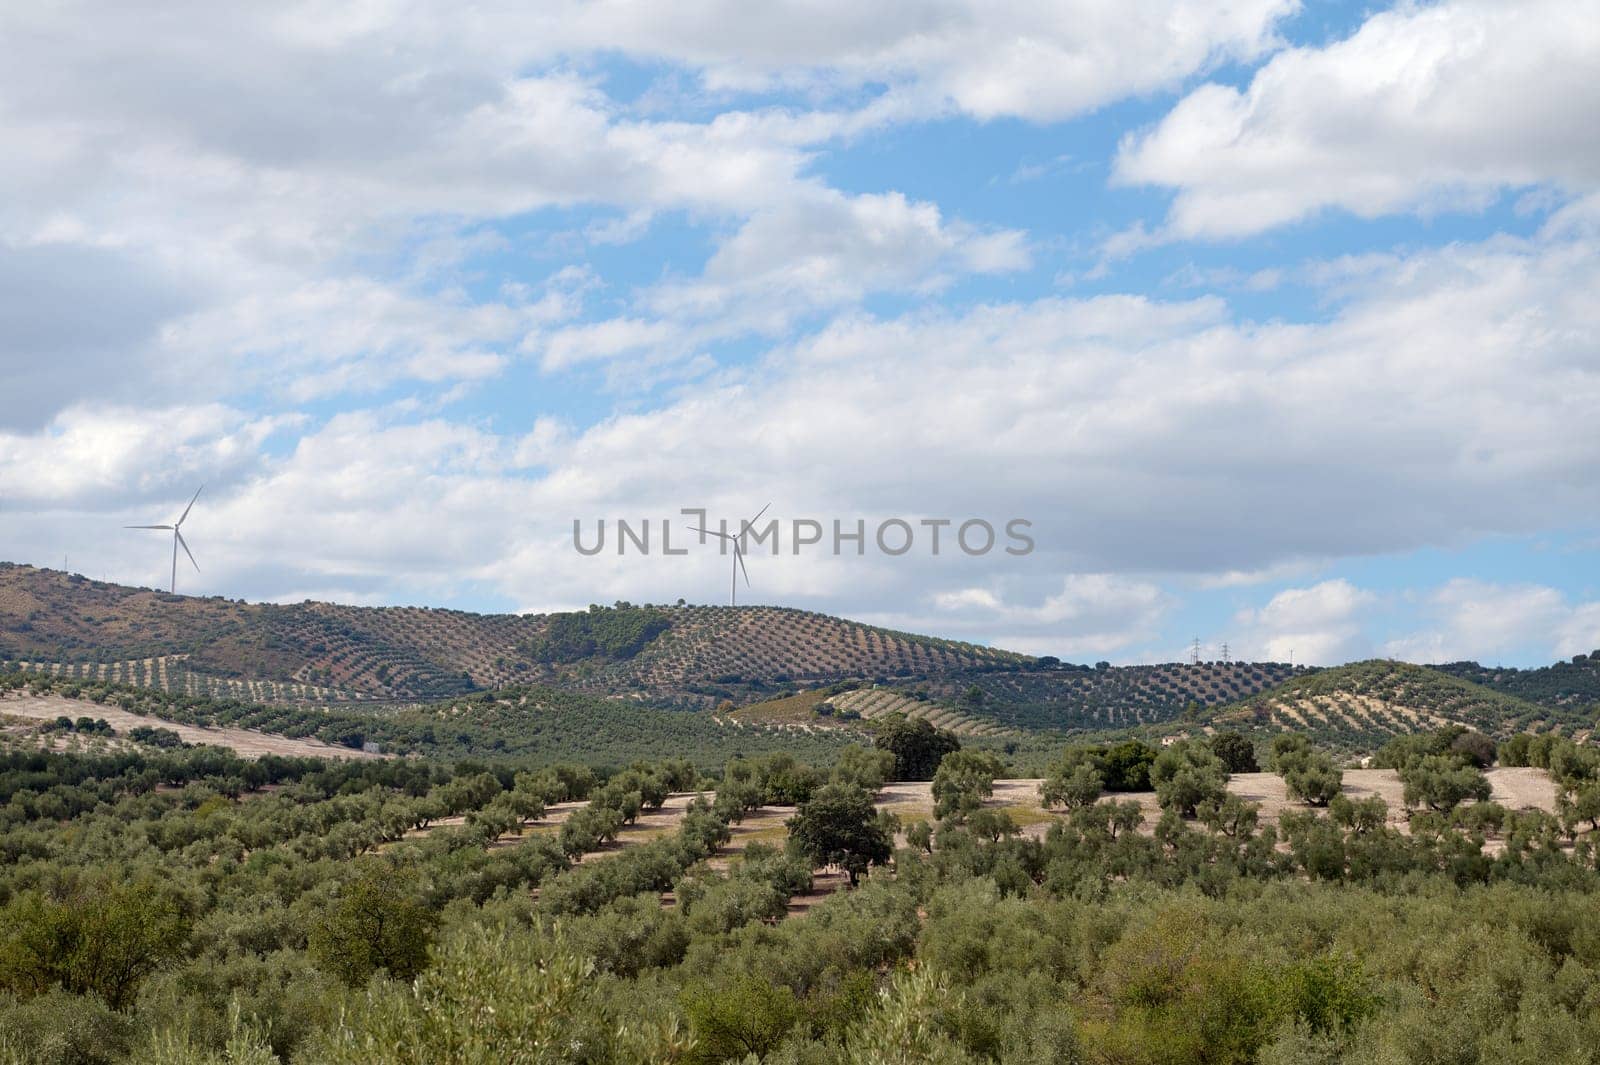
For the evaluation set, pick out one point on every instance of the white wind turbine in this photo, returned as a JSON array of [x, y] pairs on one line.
[[738, 553], [177, 538]]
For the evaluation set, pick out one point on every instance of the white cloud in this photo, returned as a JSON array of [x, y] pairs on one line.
[[1140, 437], [1489, 622], [1425, 107], [100, 458], [1041, 62], [1319, 625]]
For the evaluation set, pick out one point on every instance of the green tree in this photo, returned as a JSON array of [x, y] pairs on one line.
[[1308, 774], [1186, 775], [1442, 782], [1072, 786], [917, 746], [102, 938], [963, 780], [839, 826], [1238, 754], [1127, 766], [869, 769], [746, 1017], [378, 922]]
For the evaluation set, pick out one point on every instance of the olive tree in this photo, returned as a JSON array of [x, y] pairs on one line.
[[1308, 774], [1442, 782], [1186, 775]]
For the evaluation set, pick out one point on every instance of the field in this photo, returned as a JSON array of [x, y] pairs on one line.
[[243, 742], [336, 911]]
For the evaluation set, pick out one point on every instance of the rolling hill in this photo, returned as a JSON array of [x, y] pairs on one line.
[[1573, 684], [778, 663], [1047, 696], [1359, 706], [325, 653]]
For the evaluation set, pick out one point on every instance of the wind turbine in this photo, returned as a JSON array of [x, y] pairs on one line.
[[738, 553], [177, 538]]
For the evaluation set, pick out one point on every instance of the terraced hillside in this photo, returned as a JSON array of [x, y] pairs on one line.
[[1359, 706], [1078, 697], [1571, 685], [324, 653], [872, 704], [712, 651]]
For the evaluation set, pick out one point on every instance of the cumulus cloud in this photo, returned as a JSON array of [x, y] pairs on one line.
[[1092, 614], [1318, 625], [1427, 106], [1489, 621], [1451, 397]]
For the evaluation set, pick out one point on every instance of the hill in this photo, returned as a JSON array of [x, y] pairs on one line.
[[1043, 695], [1359, 706], [846, 706], [1563, 686], [325, 653]]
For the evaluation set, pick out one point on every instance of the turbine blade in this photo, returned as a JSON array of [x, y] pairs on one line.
[[711, 532], [190, 507], [186, 550], [738, 554], [147, 526], [760, 512]]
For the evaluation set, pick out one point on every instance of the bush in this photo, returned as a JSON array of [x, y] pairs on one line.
[[378, 923], [1308, 775], [1186, 775], [1238, 754], [1443, 782], [917, 746]]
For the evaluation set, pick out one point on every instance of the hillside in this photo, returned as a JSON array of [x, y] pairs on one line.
[[846, 709], [1570, 685], [1358, 706], [325, 653], [1042, 696]]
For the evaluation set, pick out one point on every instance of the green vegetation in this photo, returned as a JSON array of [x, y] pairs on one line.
[[189, 907], [612, 633], [1571, 685], [1186, 775], [1042, 695], [1308, 774], [531, 723], [838, 826], [1238, 754], [1359, 707], [918, 747]]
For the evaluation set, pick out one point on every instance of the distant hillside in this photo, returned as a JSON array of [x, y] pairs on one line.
[[326, 653], [830, 708], [1564, 685], [1043, 696], [1360, 705]]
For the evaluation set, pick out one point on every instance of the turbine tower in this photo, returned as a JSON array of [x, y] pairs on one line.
[[738, 552], [177, 538]]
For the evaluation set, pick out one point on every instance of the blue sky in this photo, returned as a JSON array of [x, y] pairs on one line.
[[1276, 321]]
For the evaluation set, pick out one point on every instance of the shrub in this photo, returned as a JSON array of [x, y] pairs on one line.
[[1186, 775], [917, 746], [1238, 754], [1443, 782]]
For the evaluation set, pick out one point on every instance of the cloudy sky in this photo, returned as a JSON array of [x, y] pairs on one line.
[[1277, 321]]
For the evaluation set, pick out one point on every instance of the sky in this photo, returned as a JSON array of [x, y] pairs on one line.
[[1275, 322]]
